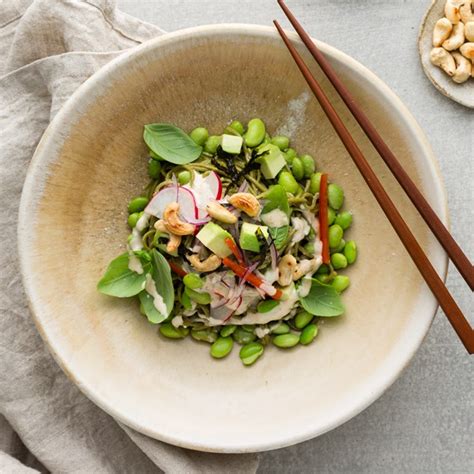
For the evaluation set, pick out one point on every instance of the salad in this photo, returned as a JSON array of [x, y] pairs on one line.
[[236, 239]]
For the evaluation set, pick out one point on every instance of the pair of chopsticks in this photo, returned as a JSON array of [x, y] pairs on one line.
[[435, 283]]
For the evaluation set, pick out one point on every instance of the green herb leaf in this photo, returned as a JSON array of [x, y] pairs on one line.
[[279, 235], [171, 143], [153, 315], [322, 300], [120, 281], [163, 280]]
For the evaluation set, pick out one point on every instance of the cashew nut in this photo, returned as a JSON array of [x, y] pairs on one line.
[[174, 240], [456, 39], [174, 224], [441, 32], [213, 262], [451, 10], [463, 68], [467, 50], [306, 266], [441, 58], [466, 11], [246, 202], [469, 30], [286, 268], [220, 213]]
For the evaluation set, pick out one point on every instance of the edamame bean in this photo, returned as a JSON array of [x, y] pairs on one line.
[[323, 270], [142, 309], [285, 341], [309, 248], [186, 300], [237, 126], [335, 234], [228, 330], [290, 154], [350, 252], [184, 177], [297, 169], [335, 196], [248, 327], [287, 180], [267, 140], [302, 319], [340, 283], [169, 331], [255, 133], [212, 144], [250, 352], [344, 219], [309, 165], [267, 305], [331, 215], [340, 247], [133, 219], [323, 278], [193, 281], [282, 328], [206, 335], [338, 261], [221, 347], [281, 142], [154, 168], [199, 135], [200, 298], [241, 336], [315, 182], [137, 204], [308, 334]]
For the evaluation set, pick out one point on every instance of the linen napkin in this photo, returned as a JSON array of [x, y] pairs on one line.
[[48, 48]]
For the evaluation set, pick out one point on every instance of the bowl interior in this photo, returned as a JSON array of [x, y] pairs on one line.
[[92, 160]]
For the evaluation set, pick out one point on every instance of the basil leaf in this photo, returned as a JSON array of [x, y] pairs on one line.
[[171, 143], [279, 235], [163, 280], [153, 315], [120, 281], [322, 300]]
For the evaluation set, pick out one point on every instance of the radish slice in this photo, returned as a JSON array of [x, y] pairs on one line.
[[205, 191], [186, 200], [214, 182]]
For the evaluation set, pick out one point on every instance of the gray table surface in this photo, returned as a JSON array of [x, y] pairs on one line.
[[424, 422]]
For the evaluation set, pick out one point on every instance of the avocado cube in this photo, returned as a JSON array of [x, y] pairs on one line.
[[213, 237], [232, 144], [271, 162], [248, 236]]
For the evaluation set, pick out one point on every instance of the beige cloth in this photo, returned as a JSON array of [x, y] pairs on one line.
[[48, 48]]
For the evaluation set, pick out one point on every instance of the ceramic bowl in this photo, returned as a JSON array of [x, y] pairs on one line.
[[92, 160], [461, 93]]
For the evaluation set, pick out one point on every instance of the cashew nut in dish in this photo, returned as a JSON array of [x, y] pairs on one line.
[[220, 213], [456, 38], [306, 266], [174, 240], [467, 50], [441, 32], [246, 202], [441, 58], [213, 262], [469, 30], [451, 10], [466, 11], [463, 68], [286, 268], [174, 224]]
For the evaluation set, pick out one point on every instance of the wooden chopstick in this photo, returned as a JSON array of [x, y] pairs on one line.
[[445, 300], [455, 253]]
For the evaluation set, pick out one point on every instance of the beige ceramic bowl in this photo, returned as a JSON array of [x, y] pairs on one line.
[[92, 160]]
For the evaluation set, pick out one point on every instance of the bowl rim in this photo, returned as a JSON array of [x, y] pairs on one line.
[[396, 363]]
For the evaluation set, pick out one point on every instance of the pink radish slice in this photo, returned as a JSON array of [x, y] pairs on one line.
[[187, 202], [214, 182]]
